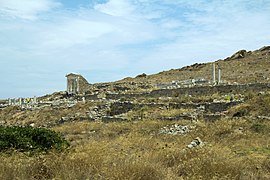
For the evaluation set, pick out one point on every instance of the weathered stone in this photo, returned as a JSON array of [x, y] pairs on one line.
[[112, 119], [197, 142], [239, 54], [120, 108], [176, 129], [264, 117]]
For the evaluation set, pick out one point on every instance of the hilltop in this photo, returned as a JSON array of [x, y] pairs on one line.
[[241, 67]]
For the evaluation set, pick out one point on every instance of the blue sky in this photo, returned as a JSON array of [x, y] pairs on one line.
[[107, 40]]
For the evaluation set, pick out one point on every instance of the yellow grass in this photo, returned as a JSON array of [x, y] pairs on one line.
[[136, 150]]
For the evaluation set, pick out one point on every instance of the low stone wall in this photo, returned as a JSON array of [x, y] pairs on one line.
[[91, 97], [194, 91], [120, 108], [212, 107], [215, 107], [208, 90]]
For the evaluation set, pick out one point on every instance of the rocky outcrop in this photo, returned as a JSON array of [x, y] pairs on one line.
[[239, 54], [143, 75], [265, 48]]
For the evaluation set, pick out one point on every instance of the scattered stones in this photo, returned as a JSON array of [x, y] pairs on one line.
[[176, 129], [64, 119], [263, 117], [197, 142], [112, 119]]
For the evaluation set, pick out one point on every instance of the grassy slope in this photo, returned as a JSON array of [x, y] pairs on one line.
[[237, 148], [250, 69]]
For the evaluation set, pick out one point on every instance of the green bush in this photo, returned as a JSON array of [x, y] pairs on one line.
[[30, 139], [241, 113], [258, 127]]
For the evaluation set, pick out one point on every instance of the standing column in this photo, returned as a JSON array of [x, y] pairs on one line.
[[74, 86], [214, 73], [219, 75], [20, 102], [71, 87], [67, 85], [35, 100], [78, 84]]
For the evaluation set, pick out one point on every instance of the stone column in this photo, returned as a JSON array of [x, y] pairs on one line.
[[70, 86], [219, 75], [78, 84], [214, 73], [74, 86], [35, 100], [67, 85], [20, 102]]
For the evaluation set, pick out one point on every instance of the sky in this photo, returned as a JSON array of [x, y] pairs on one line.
[[106, 40]]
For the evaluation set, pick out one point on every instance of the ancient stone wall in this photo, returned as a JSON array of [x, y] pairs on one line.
[[202, 91], [208, 90], [83, 84], [213, 107]]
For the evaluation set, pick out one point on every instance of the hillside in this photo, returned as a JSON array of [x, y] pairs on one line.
[[242, 67]]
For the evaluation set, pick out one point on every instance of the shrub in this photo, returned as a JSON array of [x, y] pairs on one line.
[[241, 113], [29, 139], [143, 75], [258, 127]]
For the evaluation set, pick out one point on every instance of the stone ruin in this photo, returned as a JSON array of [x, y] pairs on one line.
[[23, 103], [76, 84], [195, 82]]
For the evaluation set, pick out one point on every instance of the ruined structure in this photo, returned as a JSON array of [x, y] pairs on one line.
[[76, 84], [219, 75], [214, 73], [218, 81]]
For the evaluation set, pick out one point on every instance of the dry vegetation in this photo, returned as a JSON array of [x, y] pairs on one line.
[[235, 149], [253, 68]]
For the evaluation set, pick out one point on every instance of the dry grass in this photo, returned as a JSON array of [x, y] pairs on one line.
[[173, 112], [250, 69], [136, 150]]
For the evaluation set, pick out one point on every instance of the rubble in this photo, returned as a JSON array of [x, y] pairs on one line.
[[34, 104], [263, 117], [197, 142], [176, 129]]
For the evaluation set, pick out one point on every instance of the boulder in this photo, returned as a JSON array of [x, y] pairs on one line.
[[239, 54], [197, 142], [143, 75]]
